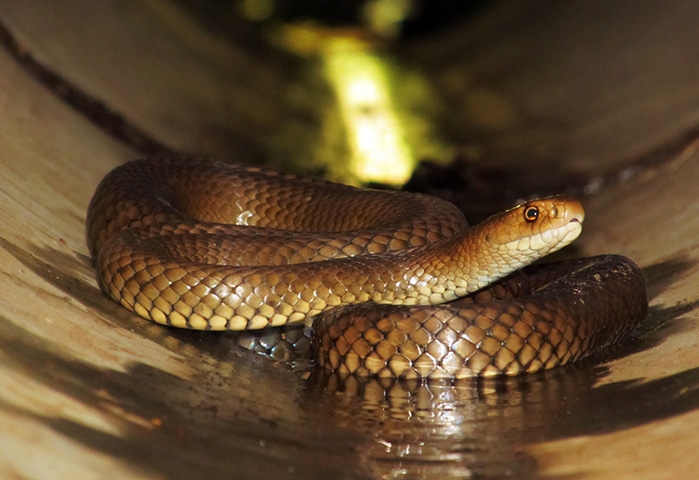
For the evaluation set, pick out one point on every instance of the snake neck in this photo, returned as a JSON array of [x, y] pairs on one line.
[[458, 266]]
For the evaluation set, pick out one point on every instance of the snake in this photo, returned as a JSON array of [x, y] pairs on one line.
[[394, 284]]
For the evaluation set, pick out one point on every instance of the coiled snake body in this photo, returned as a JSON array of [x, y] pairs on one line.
[[201, 245]]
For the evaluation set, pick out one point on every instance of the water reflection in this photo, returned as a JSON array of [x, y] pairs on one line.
[[470, 429], [484, 428]]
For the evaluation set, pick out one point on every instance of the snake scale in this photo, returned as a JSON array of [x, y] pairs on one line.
[[385, 277]]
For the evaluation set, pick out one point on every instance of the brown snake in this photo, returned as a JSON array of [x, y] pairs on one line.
[[194, 244]]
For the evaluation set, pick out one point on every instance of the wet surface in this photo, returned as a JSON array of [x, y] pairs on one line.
[[238, 411]]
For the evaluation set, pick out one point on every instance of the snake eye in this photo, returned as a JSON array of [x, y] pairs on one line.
[[531, 214]]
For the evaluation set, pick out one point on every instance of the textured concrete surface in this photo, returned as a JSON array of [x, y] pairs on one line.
[[88, 391]]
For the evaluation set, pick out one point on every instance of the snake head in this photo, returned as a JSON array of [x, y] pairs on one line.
[[535, 228]]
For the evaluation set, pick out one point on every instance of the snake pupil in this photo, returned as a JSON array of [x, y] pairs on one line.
[[531, 214]]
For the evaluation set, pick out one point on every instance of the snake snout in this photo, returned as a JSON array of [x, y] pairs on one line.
[[571, 211]]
